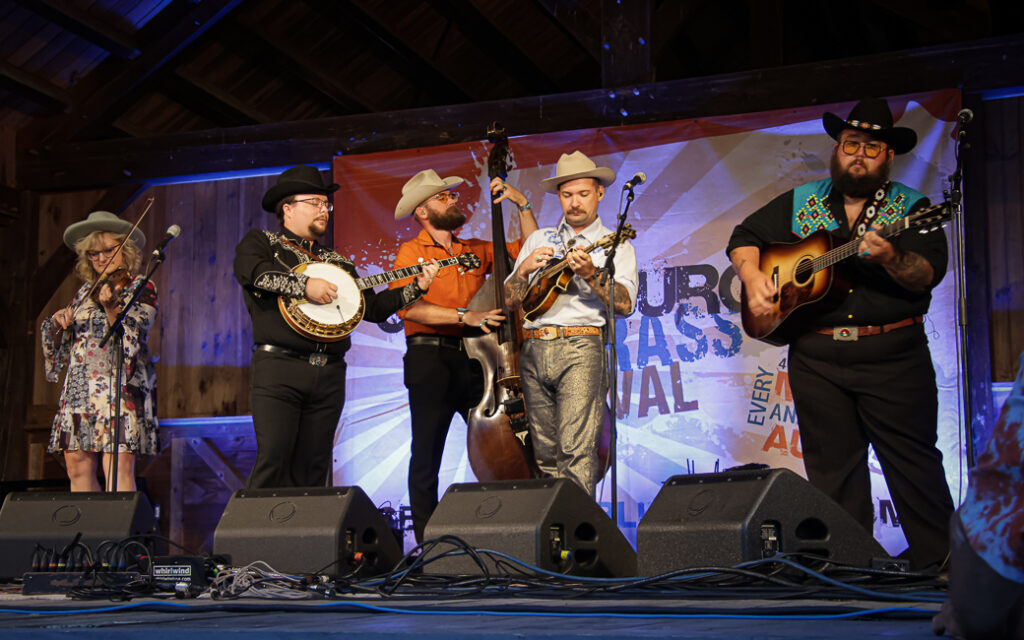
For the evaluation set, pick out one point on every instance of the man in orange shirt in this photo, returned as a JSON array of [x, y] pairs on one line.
[[439, 376]]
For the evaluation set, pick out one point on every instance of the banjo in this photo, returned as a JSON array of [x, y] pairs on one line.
[[333, 321]]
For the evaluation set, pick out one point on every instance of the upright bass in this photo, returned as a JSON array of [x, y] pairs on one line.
[[498, 435]]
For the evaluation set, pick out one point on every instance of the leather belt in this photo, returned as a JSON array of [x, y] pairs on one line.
[[552, 333], [423, 340], [315, 358], [854, 333]]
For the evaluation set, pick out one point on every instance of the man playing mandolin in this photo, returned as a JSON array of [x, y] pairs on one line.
[[859, 363], [298, 382], [563, 363], [438, 374]]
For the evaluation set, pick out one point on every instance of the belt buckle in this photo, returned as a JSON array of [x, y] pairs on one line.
[[547, 333], [844, 334], [318, 359]]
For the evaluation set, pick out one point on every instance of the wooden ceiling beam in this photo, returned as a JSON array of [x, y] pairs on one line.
[[576, 22], [977, 65], [199, 102], [377, 39], [297, 64], [85, 25], [92, 103], [33, 88], [476, 28]]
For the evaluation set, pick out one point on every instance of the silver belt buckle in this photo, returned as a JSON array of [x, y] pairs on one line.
[[318, 359], [844, 334]]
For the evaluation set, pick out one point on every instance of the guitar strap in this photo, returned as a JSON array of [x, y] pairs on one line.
[[312, 255], [867, 215]]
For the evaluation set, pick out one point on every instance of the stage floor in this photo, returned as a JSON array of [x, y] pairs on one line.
[[447, 618]]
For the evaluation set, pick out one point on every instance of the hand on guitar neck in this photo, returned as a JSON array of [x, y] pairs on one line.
[[320, 291]]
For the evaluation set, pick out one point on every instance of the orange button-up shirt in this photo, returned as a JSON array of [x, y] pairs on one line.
[[453, 287]]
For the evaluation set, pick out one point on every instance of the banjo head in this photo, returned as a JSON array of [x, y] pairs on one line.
[[325, 322]]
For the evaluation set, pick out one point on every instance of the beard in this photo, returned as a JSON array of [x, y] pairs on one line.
[[317, 228], [863, 186], [448, 220]]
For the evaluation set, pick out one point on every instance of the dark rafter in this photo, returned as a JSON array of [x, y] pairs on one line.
[[84, 25], [37, 90], [301, 65], [102, 101], [378, 40], [626, 30], [986, 64], [496, 45], [198, 101], [576, 22]]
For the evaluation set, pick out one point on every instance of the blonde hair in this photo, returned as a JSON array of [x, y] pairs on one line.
[[83, 268]]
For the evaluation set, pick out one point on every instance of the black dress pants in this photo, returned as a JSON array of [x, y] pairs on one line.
[[295, 412], [878, 390], [442, 381]]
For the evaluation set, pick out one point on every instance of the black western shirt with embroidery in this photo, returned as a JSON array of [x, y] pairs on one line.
[[263, 263], [870, 295]]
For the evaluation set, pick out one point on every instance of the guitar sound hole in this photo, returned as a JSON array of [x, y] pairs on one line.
[[803, 272]]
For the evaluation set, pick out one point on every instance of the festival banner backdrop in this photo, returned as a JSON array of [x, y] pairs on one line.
[[696, 394]]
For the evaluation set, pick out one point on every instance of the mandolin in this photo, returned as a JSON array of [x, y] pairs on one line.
[[554, 278]]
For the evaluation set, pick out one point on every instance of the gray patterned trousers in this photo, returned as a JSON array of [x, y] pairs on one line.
[[564, 384]]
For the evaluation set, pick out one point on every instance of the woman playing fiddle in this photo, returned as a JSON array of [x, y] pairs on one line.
[[82, 428]]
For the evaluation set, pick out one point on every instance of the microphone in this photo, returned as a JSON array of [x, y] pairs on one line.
[[172, 233], [638, 179], [964, 116]]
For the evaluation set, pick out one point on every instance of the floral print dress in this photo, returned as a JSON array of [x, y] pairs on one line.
[[83, 421]]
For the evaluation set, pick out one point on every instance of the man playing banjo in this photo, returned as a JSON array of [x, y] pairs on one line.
[[298, 382]]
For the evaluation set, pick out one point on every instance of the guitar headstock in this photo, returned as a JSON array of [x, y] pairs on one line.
[[468, 261], [929, 218]]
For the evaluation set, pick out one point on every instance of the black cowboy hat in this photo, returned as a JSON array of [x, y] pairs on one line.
[[872, 116], [300, 179]]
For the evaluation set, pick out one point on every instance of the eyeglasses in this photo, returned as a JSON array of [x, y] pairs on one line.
[[871, 149], [318, 203], [446, 196], [105, 253]]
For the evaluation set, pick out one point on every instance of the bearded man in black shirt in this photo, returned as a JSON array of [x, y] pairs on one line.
[[860, 370]]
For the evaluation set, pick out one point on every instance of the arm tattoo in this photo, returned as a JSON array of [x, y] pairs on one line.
[[515, 291], [911, 271], [622, 303]]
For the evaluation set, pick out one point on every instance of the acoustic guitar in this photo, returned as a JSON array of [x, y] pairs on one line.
[[802, 273]]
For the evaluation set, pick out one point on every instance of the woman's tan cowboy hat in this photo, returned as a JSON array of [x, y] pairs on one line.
[[300, 179], [873, 117], [421, 186], [576, 165], [101, 221]]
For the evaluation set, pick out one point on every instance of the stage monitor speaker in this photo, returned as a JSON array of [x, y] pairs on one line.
[[549, 523], [53, 519], [723, 519], [332, 530]]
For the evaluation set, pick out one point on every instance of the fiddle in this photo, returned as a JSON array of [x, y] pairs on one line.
[[116, 281]]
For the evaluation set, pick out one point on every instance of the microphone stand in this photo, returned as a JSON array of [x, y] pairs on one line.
[[608, 274], [117, 327], [955, 197]]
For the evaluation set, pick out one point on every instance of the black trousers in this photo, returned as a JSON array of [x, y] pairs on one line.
[[442, 381], [878, 390], [295, 412]]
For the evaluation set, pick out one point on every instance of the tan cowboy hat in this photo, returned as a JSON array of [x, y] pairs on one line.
[[300, 179], [421, 186], [576, 165], [101, 221]]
